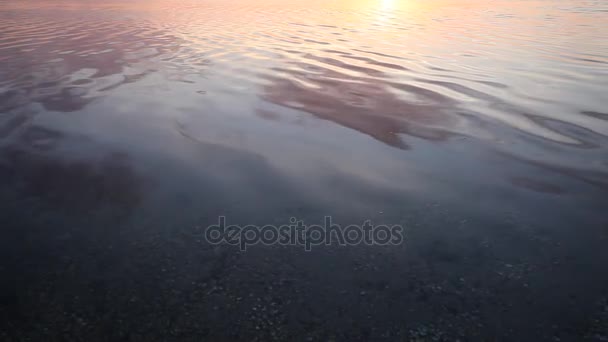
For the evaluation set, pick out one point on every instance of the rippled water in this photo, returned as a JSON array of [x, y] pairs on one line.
[[422, 112], [525, 78]]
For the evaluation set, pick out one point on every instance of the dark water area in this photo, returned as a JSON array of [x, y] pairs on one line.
[[127, 127]]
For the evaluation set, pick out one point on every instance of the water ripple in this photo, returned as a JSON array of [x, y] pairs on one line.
[[404, 69]]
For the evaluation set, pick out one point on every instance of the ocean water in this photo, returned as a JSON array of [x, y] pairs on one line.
[[127, 127]]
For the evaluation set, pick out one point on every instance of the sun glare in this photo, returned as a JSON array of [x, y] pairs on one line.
[[388, 4]]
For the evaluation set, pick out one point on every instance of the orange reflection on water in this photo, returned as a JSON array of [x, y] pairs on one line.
[[385, 68]]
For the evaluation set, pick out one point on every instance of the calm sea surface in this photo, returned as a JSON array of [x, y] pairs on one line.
[[126, 127]]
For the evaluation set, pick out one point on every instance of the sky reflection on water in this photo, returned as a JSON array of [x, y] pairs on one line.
[[126, 125]]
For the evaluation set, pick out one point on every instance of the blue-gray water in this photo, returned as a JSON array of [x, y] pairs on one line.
[[126, 127]]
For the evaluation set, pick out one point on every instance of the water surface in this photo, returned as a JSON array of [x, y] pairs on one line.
[[481, 126]]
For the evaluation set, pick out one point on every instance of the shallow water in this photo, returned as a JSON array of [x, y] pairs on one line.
[[482, 127]]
